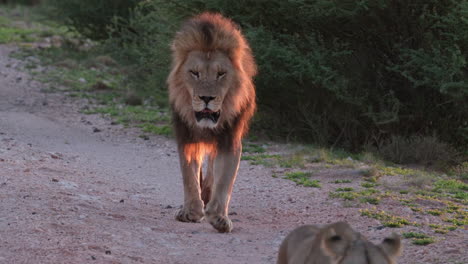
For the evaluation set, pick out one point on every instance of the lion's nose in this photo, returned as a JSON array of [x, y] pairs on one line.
[[206, 99]]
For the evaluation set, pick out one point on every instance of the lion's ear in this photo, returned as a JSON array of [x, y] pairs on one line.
[[336, 238], [392, 245]]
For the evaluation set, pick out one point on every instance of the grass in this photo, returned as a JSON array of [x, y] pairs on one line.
[[253, 148], [368, 185], [9, 35], [386, 219], [341, 181], [457, 188], [414, 235], [344, 195], [419, 239], [434, 212], [370, 200], [423, 241], [303, 178]]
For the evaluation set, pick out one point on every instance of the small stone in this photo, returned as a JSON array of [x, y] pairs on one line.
[[122, 201], [96, 130], [108, 252], [168, 207], [54, 156], [55, 180]]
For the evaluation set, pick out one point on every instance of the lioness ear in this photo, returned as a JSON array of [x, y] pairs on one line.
[[392, 245], [335, 239]]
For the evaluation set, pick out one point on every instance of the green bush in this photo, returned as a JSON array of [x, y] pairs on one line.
[[92, 18], [347, 72], [332, 72], [20, 2]]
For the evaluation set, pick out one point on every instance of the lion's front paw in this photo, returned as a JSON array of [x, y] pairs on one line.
[[191, 212], [221, 223]]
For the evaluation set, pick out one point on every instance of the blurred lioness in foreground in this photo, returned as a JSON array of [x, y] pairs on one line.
[[335, 243]]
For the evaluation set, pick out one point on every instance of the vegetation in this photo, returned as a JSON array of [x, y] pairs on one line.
[[388, 74], [303, 178]]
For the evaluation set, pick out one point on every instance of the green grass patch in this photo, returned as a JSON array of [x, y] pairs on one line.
[[303, 178], [370, 200], [434, 212], [253, 148], [9, 35], [414, 235], [368, 185], [369, 191], [423, 241], [385, 218], [394, 171], [457, 188], [344, 195], [341, 181]]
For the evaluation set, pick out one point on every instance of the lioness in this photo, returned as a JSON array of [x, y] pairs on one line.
[[212, 97], [336, 243]]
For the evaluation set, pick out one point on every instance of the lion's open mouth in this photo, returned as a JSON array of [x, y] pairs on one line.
[[208, 114]]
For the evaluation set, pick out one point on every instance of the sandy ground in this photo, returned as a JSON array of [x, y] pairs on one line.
[[69, 194]]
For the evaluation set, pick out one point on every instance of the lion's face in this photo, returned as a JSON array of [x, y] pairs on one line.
[[336, 243], [207, 76]]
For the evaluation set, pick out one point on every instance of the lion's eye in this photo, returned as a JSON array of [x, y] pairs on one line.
[[220, 75], [195, 74]]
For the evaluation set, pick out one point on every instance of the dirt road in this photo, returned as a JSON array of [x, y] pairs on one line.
[[76, 189]]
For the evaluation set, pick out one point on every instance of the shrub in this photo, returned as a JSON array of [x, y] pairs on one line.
[[92, 18], [345, 71], [428, 151], [332, 72]]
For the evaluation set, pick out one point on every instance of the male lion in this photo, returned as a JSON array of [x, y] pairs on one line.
[[336, 243], [212, 98]]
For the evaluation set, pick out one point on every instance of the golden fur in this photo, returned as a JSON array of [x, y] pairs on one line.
[[212, 96], [336, 243]]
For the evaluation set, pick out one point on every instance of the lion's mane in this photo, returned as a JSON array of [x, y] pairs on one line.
[[210, 32]]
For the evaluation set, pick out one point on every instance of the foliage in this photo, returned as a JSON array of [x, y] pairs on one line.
[[332, 72], [92, 18]]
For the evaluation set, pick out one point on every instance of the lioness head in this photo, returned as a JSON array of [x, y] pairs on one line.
[[345, 246], [210, 83], [336, 243]]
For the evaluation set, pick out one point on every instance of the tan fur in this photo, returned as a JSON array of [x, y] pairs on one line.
[[336, 243], [211, 59]]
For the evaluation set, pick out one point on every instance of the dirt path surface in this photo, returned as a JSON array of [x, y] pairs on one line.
[[76, 189]]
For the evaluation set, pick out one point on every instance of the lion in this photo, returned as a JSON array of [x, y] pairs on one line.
[[212, 97], [335, 243]]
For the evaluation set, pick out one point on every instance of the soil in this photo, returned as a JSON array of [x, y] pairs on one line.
[[75, 188]]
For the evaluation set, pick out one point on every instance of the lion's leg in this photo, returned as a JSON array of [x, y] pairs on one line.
[[208, 181], [226, 165], [192, 211]]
